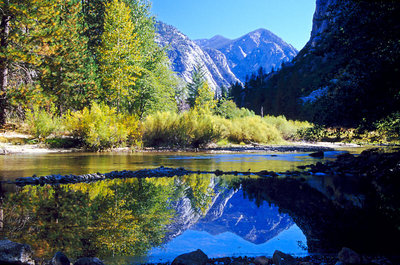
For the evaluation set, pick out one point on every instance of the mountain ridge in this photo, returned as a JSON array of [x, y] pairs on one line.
[[224, 61], [247, 53]]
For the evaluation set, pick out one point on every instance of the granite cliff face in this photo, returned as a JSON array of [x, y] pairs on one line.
[[224, 61], [322, 17], [185, 55], [245, 55]]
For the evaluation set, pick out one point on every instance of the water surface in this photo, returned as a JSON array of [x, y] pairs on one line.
[[130, 221]]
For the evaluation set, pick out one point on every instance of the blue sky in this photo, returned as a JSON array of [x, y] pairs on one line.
[[289, 19]]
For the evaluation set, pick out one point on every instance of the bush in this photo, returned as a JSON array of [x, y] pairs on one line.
[[228, 109], [252, 129], [41, 123], [101, 127], [287, 128], [314, 133], [187, 129], [389, 127]]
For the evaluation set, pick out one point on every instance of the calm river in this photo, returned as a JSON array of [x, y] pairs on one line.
[[132, 221]]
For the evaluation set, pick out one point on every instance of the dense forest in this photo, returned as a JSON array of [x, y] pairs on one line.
[[72, 53], [346, 76], [91, 71]]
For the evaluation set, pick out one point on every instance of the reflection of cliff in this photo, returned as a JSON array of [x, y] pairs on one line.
[[227, 211], [194, 196], [329, 220], [242, 217]]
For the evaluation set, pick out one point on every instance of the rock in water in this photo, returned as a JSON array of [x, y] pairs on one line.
[[60, 259], [349, 256], [88, 261], [15, 253], [193, 258], [280, 258], [262, 260]]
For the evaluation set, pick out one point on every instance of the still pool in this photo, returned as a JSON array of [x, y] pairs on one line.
[[133, 221]]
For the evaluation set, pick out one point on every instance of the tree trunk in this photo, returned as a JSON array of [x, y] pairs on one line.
[[4, 32]]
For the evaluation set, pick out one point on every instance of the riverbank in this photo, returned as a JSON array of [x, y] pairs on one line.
[[15, 143]]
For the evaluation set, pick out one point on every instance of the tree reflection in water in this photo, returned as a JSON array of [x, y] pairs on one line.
[[106, 218], [117, 217]]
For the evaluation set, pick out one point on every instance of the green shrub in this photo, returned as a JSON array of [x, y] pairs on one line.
[[101, 127], [204, 130], [163, 128], [41, 123], [389, 127], [287, 128], [253, 129], [187, 129], [197, 128], [314, 133], [228, 109]]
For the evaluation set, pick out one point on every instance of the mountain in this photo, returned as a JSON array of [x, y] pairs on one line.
[[224, 61], [185, 54], [215, 42], [245, 55], [347, 73]]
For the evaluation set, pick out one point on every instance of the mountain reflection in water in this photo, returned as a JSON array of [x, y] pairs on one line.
[[130, 217]]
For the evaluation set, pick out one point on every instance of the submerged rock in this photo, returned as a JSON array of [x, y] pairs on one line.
[[193, 258], [15, 253]]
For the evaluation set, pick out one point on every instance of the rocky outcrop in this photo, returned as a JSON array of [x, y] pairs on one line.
[[15, 253], [322, 19], [349, 256]]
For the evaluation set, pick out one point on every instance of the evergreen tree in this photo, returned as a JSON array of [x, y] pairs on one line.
[[198, 81], [119, 55]]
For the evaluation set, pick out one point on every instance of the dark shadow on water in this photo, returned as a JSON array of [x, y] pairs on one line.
[[332, 212]]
